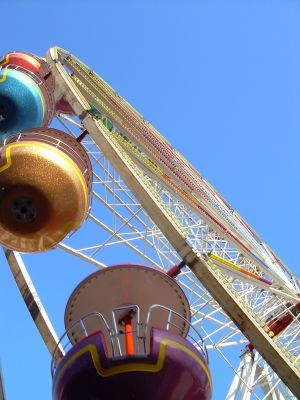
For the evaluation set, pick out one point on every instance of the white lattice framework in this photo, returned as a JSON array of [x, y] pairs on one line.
[[198, 216], [131, 226]]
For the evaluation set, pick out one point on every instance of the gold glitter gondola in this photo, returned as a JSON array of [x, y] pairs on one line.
[[45, 181]]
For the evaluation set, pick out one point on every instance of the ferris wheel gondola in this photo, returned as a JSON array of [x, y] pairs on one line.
[[159, 200]]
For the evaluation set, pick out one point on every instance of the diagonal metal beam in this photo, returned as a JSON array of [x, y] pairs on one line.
[[175, 235], [32, 300]]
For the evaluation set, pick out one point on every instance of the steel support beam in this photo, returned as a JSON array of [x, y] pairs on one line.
[[239, 315], [32, 300]]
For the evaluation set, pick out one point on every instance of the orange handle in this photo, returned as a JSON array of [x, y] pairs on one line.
[[129, 335]]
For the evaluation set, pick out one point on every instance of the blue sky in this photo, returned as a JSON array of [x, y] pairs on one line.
[[219, 79]]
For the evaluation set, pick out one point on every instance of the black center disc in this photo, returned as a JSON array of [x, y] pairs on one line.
[[3, 113], [23, 209]]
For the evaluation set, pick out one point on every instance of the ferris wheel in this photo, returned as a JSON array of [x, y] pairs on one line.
[[149, 203]]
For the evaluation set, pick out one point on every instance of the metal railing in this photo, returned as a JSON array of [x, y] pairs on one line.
[[80, 334], [191, 333], [79, 330]]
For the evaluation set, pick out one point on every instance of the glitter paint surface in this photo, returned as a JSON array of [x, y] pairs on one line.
[[23, 100], [53, 182]]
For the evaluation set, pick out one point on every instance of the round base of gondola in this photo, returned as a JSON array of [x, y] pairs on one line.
[[174, 369], [43, 193]]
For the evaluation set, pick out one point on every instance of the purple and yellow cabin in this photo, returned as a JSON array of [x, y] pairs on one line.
[[127, 326]]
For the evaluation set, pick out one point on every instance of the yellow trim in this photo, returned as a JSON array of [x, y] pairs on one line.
[[67, 228], [5, 61], [4, 76], [225, 262], [8, 159], [8, 55], [133, 367], [71, 164], [42, 101]]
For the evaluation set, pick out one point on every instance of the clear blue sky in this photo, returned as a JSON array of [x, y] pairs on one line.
[[219, 79]]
